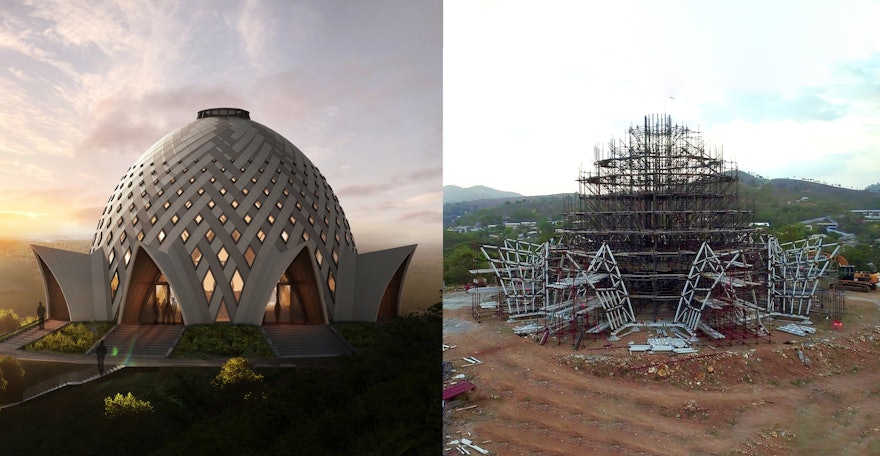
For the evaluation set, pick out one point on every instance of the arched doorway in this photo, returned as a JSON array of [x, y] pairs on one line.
[[150, 299], [296, 298]]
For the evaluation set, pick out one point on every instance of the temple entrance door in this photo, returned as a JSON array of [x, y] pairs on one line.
[[157, 308], [297, 312]]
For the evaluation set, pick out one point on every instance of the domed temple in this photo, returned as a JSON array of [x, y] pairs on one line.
[[223, 220]]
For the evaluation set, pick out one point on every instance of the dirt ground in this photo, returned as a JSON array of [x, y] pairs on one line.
[[758, 398]]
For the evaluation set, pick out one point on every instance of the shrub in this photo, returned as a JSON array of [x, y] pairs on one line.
[[236, 371], [75, 337], [222, 340], [121, 406], [11, 379]]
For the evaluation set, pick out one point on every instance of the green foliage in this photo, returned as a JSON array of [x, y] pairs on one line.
[[383, 400], [76, 337], [126, 406], [457, 264], [222, 340], [860, 255], [790, 233], [8, 320], [11, 379], [236, 371]]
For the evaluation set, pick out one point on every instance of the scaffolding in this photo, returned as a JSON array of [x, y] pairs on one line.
[[657, 237]]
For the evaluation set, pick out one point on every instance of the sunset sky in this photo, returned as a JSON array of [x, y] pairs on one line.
[[87, 87], [787, 88]]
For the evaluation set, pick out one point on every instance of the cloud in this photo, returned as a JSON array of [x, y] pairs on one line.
[[806, 105], [27, 170], [435, 217]]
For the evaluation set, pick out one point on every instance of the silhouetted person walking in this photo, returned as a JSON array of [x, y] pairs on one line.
[[166, 313], [41, 314], [277, 311], [101, 351], [155, 313]]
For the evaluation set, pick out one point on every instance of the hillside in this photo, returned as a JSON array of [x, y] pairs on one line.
[[777, 201], [454, 193]]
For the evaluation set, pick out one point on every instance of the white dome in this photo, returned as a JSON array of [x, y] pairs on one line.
[[218, 198]]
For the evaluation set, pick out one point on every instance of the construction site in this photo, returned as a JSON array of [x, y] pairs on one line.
[[658, 238], [658, 279]]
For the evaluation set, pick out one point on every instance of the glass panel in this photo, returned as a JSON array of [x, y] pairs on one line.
[[237, 284], [249, 256], [223, 256], [209, 284], [196, 256], [114, 285]]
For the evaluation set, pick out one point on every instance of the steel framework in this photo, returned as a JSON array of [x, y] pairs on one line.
[[657, 237]]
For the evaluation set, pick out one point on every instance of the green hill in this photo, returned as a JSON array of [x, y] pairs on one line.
[[454, 193]]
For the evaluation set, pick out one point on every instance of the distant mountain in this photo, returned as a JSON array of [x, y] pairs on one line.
[[777, 201], [455, 194], [873, 187]]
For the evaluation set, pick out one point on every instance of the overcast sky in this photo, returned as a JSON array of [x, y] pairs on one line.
[[86, 87], [788, 89]]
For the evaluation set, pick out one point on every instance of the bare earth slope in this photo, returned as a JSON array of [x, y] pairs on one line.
[[753, 399]]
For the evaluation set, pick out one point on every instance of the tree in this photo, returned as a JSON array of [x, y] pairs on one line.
[[792, 232], [8, 320], [11, 379], [456, 265]]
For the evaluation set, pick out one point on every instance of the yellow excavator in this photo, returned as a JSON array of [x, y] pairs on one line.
[[850, 279]]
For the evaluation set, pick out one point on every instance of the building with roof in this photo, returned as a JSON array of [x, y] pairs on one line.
[[223, 220]]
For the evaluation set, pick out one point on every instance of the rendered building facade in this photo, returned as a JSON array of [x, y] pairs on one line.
[[223, 219]]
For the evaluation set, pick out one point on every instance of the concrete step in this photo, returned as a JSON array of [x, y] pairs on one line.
[[30, 335], [305, 341], [152, 341]]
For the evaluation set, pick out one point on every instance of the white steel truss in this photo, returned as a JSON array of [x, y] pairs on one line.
[[793, 271], [520, 269]]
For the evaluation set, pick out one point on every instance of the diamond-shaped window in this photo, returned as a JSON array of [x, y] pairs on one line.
[[174, 219], [198, 219], [319, 257], [284, 236], [112, 256], [184, 235], [114, 284], [211, 204], [223, 219], [209, 284], [196, 256], [261, 235], [271, 219], [237, 284], [127, 256], [305, 236], [249, 256], [236, 235], [223, 256], [161, 236], [210, 235]]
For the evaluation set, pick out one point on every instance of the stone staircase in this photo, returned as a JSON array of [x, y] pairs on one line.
[[27, 336], [142, 341], [305, 341]]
